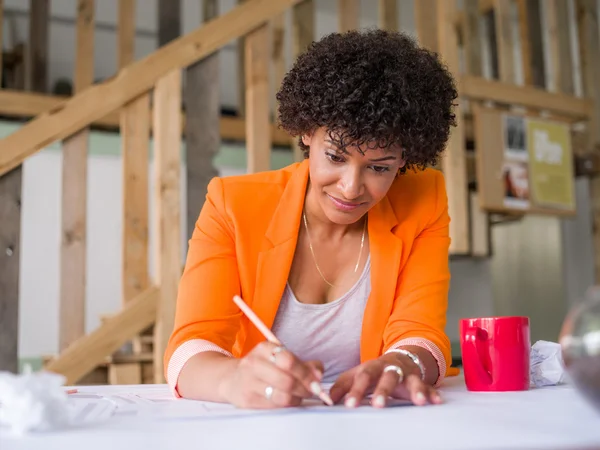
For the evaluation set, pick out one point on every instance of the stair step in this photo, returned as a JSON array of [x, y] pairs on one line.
[[123, 358]]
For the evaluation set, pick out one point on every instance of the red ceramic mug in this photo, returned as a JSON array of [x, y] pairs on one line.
[[495, 353]]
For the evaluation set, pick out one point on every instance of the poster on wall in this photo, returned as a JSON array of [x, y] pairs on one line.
[[551, 164], [515, 168]]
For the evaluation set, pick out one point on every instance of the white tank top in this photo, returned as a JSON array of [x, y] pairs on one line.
[[327, 332]]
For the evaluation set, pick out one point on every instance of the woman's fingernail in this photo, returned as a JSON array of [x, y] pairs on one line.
[[315, 388], [379, 401], [437, 398], [420, 397], [350, 402]]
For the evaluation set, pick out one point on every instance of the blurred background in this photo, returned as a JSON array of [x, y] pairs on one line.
[[97, 198]]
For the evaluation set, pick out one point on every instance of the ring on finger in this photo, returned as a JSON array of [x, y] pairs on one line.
[[269, 393], [398, 370], [274, 353]]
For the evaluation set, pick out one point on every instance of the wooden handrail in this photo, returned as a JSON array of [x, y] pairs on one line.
[[31, 104], [91, 350], [479, 88], [134, 80]]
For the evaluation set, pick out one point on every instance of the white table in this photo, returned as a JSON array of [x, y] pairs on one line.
[[548, 418]]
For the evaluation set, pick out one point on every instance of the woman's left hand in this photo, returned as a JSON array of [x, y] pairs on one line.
[[372, 377]]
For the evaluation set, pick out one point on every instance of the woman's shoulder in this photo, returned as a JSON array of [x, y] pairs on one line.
[[250, 192]]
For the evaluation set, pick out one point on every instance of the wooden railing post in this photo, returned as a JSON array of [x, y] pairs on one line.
[[303, 33], [74, 194], [258, 136], [167, 213], [10, 231]]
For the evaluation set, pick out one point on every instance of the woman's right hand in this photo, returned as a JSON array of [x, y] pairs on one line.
[[271, 377]]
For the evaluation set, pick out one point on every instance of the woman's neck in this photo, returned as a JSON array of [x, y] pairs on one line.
[[319, 223]]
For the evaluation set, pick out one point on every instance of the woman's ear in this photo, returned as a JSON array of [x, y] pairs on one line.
[[306, 139]]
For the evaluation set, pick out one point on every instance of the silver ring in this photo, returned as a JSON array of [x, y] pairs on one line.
[[274, 353], [269, 392], [398, 370]]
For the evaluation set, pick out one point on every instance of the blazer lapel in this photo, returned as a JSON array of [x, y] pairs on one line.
[[275, 258], [386, 251]]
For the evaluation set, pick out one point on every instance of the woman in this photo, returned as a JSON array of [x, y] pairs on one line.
[[344, 255]]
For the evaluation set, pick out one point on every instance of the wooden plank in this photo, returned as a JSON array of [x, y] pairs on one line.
[[98, 101], [36, 64], [478, 88], [559, 33], [348, 15], [479, 219], [258, 143], [472, 39], [74, 194], [454, 164], [241, 77], [169, 21], [93, 349], [303, 33], [167, 162], [25, 104], [532, 45], [135, 142], [203, 140], [388, 15], [587, 20], [1, 40], [130, 373], [505, 42], [277, 57], [427, 30], [10, 251], [126, 33]]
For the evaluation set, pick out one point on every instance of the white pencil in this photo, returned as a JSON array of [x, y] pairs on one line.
[[268, 334]]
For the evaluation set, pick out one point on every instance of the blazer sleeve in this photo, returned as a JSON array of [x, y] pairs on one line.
[[419, 310], [205, 309]]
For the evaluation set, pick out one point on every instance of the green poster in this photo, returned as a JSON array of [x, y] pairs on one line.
[[550, 164]]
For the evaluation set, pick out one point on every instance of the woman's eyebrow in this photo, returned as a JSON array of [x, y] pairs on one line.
[[385, 158]]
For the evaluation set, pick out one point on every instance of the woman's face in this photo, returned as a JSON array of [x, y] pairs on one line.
[[346, 183]]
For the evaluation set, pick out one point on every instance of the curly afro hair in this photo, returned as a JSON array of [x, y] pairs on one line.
[[374, 89]]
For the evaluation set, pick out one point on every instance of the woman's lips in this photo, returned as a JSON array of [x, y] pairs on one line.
[[342, 205]]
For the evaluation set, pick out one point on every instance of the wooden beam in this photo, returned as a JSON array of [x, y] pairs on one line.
[[478, 88], [36, 64], [472, 39], [303, 34], [99, 100], [25, 104], [348, 15], [202, 137], [74, 194], [427, 30], [258, 143], [278, 60], [388, 15], [532, 45], [504, 40], [135, 143], [126, 33], [241, 77], [10, 251], [167, 163], [88, 352], [589, 45], [454, 164], [479, 219], [559, 25], [1, 40]]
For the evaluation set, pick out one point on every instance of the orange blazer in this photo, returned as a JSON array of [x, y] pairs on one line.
[[244, 242]]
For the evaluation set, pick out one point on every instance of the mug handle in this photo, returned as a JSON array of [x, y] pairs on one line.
[[472, 354]]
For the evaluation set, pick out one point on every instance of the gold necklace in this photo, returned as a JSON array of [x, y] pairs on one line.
[[362, 242]]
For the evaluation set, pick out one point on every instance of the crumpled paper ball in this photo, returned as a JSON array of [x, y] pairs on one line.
[[33, 402], [546, 364]]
